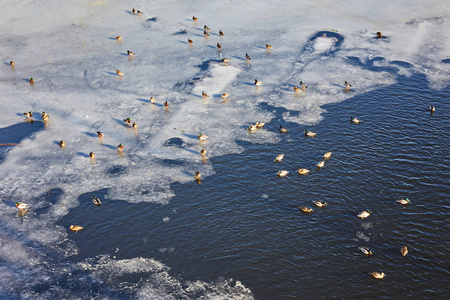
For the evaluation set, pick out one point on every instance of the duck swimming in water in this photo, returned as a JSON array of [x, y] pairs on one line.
[[319, 203], [303, 171], [198, 175], [354, 120], [305, 209], [309, 133], [364, 214], [321, 164], [432, 108], [252, 128], [404, 250], [327, 155], [260, 124], [75, 228], [377, 275], [365, 250], [96, 201], [403, 201], [279, 157], [21, 206], [283, 129], [282, 173]]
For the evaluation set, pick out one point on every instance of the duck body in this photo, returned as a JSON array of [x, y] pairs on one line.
[[319, 203], [194, 18], [202, 137], [432, 108], [31, 80], [219, 46], [327, 155], [404, 250], [28, 114], [45, 116], [11, 63], [305, 209], [268, 46], [131, 53], [134, 125], [92, 155], [283, 129], [152, 100], [21, 206], [120, 147], [96, 201], [225, 95], [258, 83], [225, 60], [127, 120], [204, 95], [279, 157], [252, 128], [309, 133], [321, 164], [365, 250], [347, 86], [282, 173], [403, 201], [354, 120], [378, 275], [297, 89], [62, 144], [100, 134], [260, 124], [118, 37], [220, 32], [75, 228], [190, 41], [364, 214], [247, 56], [303, 171], [118, 72], [203, 152]]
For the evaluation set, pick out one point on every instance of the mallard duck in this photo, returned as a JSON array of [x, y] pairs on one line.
[[140, 13], [92, 155], [133, 11], [403, 201], [252, 128], [118, 37], [127, 120], [268, 46], [31, 80], [364, 214], [379, 34], [152, 100], [347, 86], [219, 46], [100, 134], [305, 209], [198, 175], [134, 125], [62, 144], [194, 18], [21, 206], [260, 124], [120, 73], [303, 171], [404, 250], [258, 83], [377, 275], [279, 157], [220, 32], [206, 33], [225, 95], [283, 129], [297, 89], [282, 173], [321, 164], [327, 155], [302, 86], [309, 133], [11, 63], [203, 152], [319, 203], [131, 53], [190, 41], [206, 28], [225, 60], [28, 114], [432, 108], [120, 147], [96, 201], [247, 56], [75, 228], [365, 250], [45, 116], [166, 105], [354, 120], [202, 137], [204, 95]]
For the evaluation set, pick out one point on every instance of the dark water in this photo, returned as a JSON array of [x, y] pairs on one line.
[[243, 222]]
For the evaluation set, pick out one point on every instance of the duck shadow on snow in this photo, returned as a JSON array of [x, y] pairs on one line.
[[111, 73], [91, 134], [109, 146], [183, 42], [82, 154], [190, 136]]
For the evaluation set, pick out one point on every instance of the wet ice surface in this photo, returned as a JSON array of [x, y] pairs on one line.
[[71, 53]]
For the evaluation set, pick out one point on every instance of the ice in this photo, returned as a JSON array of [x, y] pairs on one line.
[[69, 49]]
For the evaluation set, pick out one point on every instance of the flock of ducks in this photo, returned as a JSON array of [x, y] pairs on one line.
[[23, 207]]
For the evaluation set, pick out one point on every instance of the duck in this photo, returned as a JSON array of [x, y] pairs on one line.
[[220, 32], [96, 201], [21, 206], [379, 34], [134, 125], [305, 209], [203, 152], [75, 228], [347, 86], [283, 129], [319, 203], [120, 147], [303, 171], [365, 250], [28, 114], [403, 201], [282, 173], [62, 144], [258, 83], [127, 120], [120, 73], [377, 275], [268, 46], [152, 100], [297, 89], [252, 128], [327, 155], [31, 80], [219, 46], [354, 120], [118, 37], [92, 155], [404, 250], [364, 214], [166, 105], [45, 116], [247, 56], [11, 63], [131, 53], [302, 85], [194, 18], [202, 137], [206, 28], [225, 60], [100, 134], [225, 95], [321, 164], [204, 95], [206, 33], [198, 175], [309, 133], [140, 13], [432, 108], [133, 11], [279, 157], [260, 124], [190, 41]]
